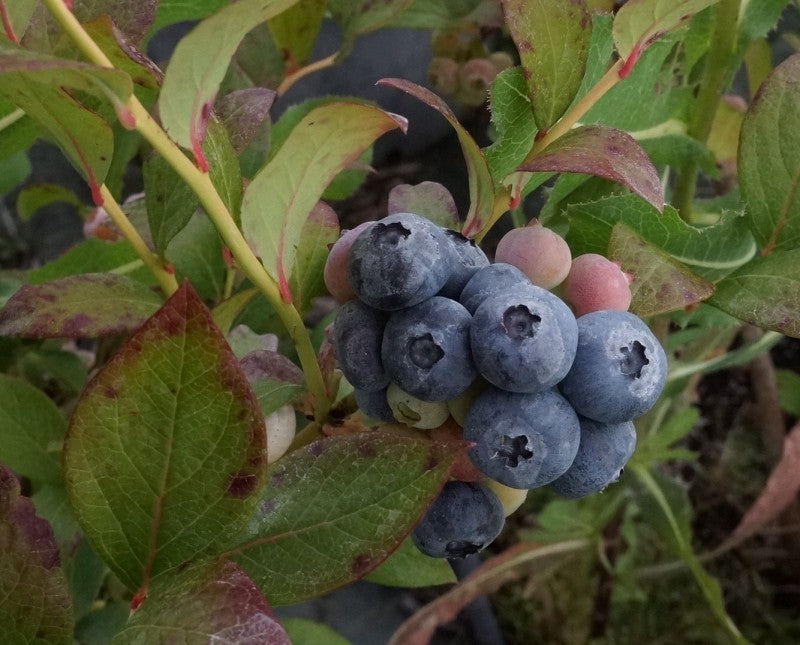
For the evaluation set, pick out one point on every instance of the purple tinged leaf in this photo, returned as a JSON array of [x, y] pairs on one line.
[[165, 454], [481, 185], [243, 112], [133, 19], [428, 199], [263, 364], [212, 600], [34, 600], [602, 152], [81, 306]]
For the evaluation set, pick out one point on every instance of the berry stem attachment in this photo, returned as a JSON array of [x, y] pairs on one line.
[[216, 209]]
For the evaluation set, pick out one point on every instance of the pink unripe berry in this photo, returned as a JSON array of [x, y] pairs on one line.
[[538, 252], [596, 283], [335, 273]]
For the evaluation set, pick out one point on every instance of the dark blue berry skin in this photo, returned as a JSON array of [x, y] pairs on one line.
[[522, 440], [401, 261], [467, 259], [523, 339], [357, 336], [619, 368], [374, 404], [426, 349], [464, 519], [605, 448], [488, 281]]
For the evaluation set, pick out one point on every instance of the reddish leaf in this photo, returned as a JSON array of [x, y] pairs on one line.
[[602, 152], [780, 490], [133, 19], [34, 600], [80, 306], [213, 600], [243, 111], [263, 364]]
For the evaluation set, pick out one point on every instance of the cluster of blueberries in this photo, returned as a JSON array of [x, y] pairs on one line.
[[550, 398]]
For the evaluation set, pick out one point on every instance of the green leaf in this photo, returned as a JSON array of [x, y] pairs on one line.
[[711, 251], [91, 256], [210, 602], [481, 184], [37, 83], [166, 451], [512, 117], [769, 159], [18, 14], [31, 431], [52, 504], [35, 605], [666, 506], [81, 306], [561, 520], [638, 23], [656, 447], [104, 31], [601, 47], [409, 567], [756, 19], [306, 632], [789, 391], [602, 152], [35, 196], [100, 625], [552, 37], [337, 508], [429, 199], [17, 130], [358, 17], [198, 66], [424, 14], [765, 292], [295, 30], [196, 254], [660, 283], [172, 11], [278, 201], [226, 312], [318, 233], [13, 171], [85, 575]]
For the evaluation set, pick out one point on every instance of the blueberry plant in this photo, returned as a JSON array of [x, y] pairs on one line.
[[184, 445]]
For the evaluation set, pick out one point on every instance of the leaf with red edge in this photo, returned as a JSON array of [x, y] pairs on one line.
[[780, 490], [639, 23], [34, 600], [428, 199], [660, 283], [335, 509], [278, 201], [165, 454], [552, 37], [481, 185], [602, 152], [15, 17], [213, 601], [243, 112], [198, 66], [40, 85], [80, 306]]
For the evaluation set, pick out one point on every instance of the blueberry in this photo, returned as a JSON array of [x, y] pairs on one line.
[[426, 349], [523, 339], [604, 449], [374, 404], [522, 440], [489, 281], [357, 334], [467, 259], [464, 519], [402, 260], [619, 368]]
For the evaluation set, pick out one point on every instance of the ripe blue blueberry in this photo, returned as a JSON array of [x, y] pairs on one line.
[[522, 440], [523, 339], [489, 281], [374, 404], [604, 449], [467, 259], [464, 519], [400, 261], [619, 368], [357, 335], [426, 349]]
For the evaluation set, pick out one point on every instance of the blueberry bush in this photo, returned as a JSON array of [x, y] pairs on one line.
[[236, 394]]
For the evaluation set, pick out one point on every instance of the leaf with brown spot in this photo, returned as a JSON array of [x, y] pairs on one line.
[[602, 152], [80, 306], [213, 600], [35, 605], [165, 453], [337, 508]]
